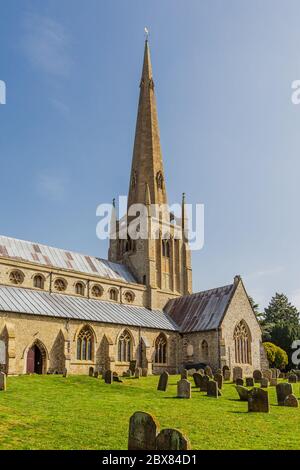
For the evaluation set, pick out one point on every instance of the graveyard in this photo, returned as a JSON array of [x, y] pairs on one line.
[[82, 412]]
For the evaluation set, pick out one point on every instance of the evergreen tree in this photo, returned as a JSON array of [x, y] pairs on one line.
[[281, 310]]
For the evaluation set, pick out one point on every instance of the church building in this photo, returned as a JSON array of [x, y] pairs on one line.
[[65, 310]]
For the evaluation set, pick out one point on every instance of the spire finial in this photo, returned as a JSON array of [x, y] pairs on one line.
[[146, 33]]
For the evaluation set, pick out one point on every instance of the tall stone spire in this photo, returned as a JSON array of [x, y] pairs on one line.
[[147, 165]]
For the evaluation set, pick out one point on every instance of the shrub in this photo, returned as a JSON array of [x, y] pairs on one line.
[[276, 356]]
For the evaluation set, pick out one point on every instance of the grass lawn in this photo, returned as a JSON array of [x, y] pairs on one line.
[[80, 412]]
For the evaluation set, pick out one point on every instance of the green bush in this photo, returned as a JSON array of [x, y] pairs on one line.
[[276, 356]]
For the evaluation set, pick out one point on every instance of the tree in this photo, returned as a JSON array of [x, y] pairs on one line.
[[281, 310], [276, 356]]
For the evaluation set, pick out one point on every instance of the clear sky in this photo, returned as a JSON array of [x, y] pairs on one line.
[[230, 133]]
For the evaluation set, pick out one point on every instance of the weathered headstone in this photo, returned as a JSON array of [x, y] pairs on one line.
[[224, 369], [264, 383], [212, 389], [208, 371], [239, 381], [142, 431], [184, 374], [183, 389], [203, 383], [137, 373], [201, 371], [227, 375], [292, 379], [171, 439], [249, 382], [258, 400], [243, 392], [91, 371], [273, 382], [132, 366], [237, 373], [219, 379], [108, 377], [145, 372], [197, 379], [282, 391], [291, 400], [96, 374], [257, 375], [65, 372], [2, 381], [219, 371], [191, 372], [163, 381], [281, 375], [267, 374]]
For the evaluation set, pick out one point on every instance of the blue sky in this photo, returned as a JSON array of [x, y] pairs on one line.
[[230, 133]]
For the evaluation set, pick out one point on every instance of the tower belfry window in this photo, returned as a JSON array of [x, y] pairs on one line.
[[160, 180]]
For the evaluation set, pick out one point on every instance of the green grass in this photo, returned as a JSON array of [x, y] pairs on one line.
[[79, 412]]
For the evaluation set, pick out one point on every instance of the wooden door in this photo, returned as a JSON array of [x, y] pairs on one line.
[[30, 361]]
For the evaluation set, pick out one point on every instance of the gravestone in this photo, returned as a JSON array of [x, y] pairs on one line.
[[249, 382], [96, 374], [224, 369], [127, 373], [275, 373], [203, 383], [267, 374], [227, 375], [183, 389], [191, 372], [91, 371], [137, 373], [65, 372], [197, 379], [171, 439], [258, 400], [239, 381], [264, 383], [282, 391], [142, 431], [237, 373], [257, 375], [281, 375], [292, 379], [108, 377], [219, 371], [163, 381], [291, 400], [2, 381], [208, 371], [273, 382], [201, 371], [2, 353], [243, 392], [145, 372], [184, 374], [212, 389], [132, 367], [219, 379]]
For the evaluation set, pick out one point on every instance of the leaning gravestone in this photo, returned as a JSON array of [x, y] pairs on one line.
[[282, 391], [219, 379], [108, 377], [239, 381], [197, 379], [208, 371], [237, 373], [257, 375], [184, 374], [203, 383], [91, 371], [258, 401], [171, 439], [2, 381], [273, 382], [249, 382], [292, 378], [264, 383], [163, 381], [142, 431], [291, 400], [183, 389], [212, 389], [243, 392]]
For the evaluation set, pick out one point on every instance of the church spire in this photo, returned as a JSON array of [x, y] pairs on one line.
[[147, 165]]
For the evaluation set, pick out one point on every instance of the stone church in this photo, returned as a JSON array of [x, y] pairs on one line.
[[64, 310]]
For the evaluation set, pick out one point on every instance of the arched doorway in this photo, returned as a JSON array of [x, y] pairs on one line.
[[35, 360]]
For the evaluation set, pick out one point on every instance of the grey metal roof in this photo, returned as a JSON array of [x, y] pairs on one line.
[[201, 311], [20, 300], [62, 259]]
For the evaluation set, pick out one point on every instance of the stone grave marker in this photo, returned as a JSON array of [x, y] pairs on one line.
[[2, 381], [108, 377], [203, 383], [273, 382], [243, 392], [65, 372], [291, 400], [171, 439], [267, 374], [96, 374], [249, 382], [184, 389], [201, 371], [197, 379], [145, 371], [208, 371], [163, 381], [137, 373], [282, 391], [227, 375], [264, 383], [292, 379], [132, 367], [239, 381], [219, 379], [191, 372], [142, 431], [237, 373], [257, 375], [258, 400], [91, 371], [184, 374], [212, 389]]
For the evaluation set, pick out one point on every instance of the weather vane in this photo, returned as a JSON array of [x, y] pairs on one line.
[[146, 33]]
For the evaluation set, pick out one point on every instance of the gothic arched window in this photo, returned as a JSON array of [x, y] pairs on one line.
[[38, 281], [204, 350], [125, 347], [113, 294], [79, 288], [161, 349], [160, 180], [85, 344], [242, 343], [166, 248]]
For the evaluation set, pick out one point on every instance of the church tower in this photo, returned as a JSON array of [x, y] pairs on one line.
[[161, 260]]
